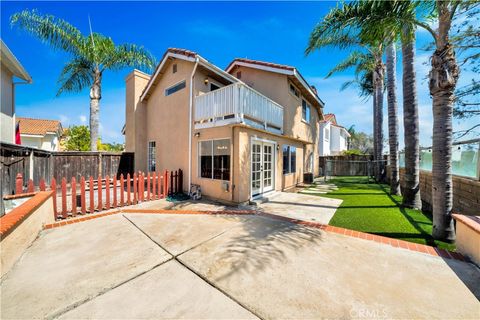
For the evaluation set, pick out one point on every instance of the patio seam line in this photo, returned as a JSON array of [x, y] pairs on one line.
[[175, 258], [102, 292], [396, 243]]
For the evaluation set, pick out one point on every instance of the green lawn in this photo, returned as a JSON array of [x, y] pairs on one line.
[[369, 207]]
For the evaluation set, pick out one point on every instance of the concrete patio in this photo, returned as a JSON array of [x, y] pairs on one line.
[[228, 266]]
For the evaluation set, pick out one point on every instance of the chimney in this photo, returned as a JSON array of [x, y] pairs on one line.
[[314, 90]]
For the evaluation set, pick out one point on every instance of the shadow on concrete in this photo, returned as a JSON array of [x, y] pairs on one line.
[[302, 204], [468, 273], [262, 243]]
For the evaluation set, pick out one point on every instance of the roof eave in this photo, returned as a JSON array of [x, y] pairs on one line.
[[14, 65]]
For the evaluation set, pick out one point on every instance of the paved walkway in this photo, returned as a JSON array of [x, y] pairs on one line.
[[216, 266]]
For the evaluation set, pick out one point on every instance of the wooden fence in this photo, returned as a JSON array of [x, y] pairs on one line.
[[38, 164], [89, 195]]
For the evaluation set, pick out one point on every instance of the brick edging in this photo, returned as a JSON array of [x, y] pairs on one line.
[[437, 252], [11, 220], [145, 211]]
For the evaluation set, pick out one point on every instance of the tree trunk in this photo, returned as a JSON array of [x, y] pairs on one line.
[[393, 119], [378, 77], [411, 185], [95, 96], [443, 80]]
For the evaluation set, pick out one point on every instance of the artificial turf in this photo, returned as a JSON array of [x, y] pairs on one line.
[[369, 207]]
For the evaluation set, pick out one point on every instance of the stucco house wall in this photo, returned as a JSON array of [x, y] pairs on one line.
[[7, 120]]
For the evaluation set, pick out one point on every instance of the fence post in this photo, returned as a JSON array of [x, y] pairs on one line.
[[64, 197], [148, 186], [82, 195], [134, 188], [165, 184], [107, 192], [141, 184], [172, 176], [154, 185], [74, 196], [42, 185], [122, 186], [128, 189], [53, 186], [19, 184], [92, 195], [99, 191], [30, 186], [180, 181], [115, 191]]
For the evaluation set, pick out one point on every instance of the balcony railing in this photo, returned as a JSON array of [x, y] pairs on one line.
[[238, 103]]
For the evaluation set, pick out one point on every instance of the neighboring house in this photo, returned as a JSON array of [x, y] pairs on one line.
[[40, 133], [333, 137], [238, 133], [10, 69]]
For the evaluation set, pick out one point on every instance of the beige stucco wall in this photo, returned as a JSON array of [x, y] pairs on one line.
[[18, 240], [135, 83], [468, 241], [277, 87], [7, 115]]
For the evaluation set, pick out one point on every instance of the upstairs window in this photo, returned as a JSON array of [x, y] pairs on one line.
[[177, 87], [327, 134], [174, 68], [294, 91], [289, 159], [305, 111], [151, 165], [239, 75]]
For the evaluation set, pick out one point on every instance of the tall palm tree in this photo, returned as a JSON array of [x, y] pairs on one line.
[[91, 56], [338, 29], [393, 118]]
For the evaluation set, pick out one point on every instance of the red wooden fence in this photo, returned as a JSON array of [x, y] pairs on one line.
[[79, 197]]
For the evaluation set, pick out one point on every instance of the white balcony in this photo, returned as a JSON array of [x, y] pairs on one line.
[[238, 103]]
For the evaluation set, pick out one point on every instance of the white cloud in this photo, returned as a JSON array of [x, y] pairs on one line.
[[83, 119]]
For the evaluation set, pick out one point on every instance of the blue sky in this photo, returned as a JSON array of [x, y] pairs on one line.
[[219, 31]]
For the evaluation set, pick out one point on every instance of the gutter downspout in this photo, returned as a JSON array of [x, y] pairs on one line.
[[190, 113]]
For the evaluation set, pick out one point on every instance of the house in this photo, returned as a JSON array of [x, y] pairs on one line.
[[237, 133], [40, 133], [11, 68], [333, 137]]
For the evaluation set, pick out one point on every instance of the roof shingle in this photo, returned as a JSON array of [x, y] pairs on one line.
[[39, 126]]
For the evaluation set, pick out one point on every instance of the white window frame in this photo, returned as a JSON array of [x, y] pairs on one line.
[[174, 85], [199, 166], [150, 154], [289, 161], [309, 108], [297, 92]]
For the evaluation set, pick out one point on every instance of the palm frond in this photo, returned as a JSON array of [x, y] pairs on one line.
[[49, 29], [130, 55], [75, 76]]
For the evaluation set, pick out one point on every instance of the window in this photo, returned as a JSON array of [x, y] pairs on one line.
[[175, 88], [239, 75], [305, 111], [151, 156], [174, 68], [289, 159], [214, 159], [327, 134], [294, 91]]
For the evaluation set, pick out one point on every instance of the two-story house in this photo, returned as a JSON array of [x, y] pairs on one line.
[[238, 133], [333, 137]]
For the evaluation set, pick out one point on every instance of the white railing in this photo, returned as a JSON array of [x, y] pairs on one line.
[[238, 103]]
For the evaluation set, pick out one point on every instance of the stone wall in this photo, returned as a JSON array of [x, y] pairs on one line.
[[466, 193]]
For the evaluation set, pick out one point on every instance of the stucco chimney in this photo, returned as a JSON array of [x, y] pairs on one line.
[[314, 90], [135, 82]]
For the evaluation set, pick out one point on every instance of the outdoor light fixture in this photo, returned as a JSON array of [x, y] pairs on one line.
[[197, 134], [205, 81]]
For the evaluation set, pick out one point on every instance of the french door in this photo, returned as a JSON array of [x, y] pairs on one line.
[[263, 167]]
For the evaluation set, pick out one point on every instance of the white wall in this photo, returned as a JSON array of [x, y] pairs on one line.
[[339, 140], [324, 141], [50, 142], [7, 118]]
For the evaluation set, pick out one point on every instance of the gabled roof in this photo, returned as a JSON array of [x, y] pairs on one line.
[[330, 117], [186, 55], [277, 68], [12, 64], [39, 127]]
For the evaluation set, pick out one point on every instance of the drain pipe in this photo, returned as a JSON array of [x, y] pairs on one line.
[[190, 126]]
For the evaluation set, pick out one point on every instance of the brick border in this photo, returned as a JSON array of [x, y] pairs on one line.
[[437, 252], [11, 220]]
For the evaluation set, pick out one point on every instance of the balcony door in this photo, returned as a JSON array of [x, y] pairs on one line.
[[262, 167]]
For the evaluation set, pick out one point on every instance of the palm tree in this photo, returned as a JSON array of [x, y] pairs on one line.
[[393, 119], [91, 56], [338, 29]]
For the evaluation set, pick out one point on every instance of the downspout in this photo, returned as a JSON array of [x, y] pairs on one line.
[[190, 113]]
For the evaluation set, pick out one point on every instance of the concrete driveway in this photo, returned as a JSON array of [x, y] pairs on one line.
[[132, 265]]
